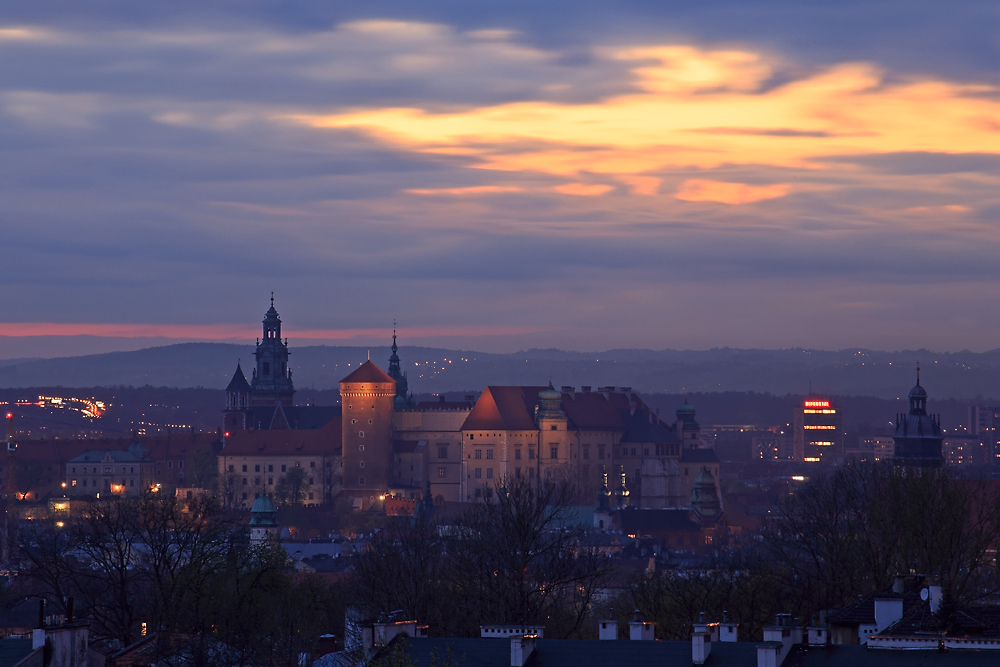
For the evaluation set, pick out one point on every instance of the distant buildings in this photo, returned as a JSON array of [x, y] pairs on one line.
[[818, 431]]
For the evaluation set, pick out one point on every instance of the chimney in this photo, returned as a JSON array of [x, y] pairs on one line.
[[702, 636], [899, 584], [888, 610], [607, 629], [521, 648], [639, 630], [585, 388], [728, 631], [778, 641]]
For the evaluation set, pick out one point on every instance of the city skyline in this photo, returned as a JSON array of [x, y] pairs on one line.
[[503, 176]]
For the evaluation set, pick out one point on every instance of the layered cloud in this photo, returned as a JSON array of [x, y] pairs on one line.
[[594, 182]]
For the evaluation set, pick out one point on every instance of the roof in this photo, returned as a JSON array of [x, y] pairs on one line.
[[860, 656], [12, 651], [512, 408], [116, 455], [369, 372], [690, 455], [305, 442], [495, 652], [293, 416], [504, 408], [239, 382], [637, 522]]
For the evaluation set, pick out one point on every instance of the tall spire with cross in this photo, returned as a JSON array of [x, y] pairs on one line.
[[396, 373]]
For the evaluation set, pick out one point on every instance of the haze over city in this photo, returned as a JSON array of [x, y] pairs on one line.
[[500, 176]]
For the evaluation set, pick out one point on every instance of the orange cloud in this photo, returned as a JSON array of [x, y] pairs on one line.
[[583, 189], [702, 109], [728, 193], [474, 190]]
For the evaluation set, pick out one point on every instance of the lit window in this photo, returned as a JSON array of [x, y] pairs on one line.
[[442, 472]]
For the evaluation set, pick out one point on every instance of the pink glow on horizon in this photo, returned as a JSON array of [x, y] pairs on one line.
[[230, 331]]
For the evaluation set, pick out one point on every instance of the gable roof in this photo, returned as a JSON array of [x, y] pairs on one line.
[[369, 372], [504, 408]]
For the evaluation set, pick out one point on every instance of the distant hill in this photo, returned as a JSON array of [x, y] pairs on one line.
[[888, 375]]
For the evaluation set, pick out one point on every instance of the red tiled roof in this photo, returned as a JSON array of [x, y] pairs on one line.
[[368, 372], [504, 408], [513, 409], [307, 442]]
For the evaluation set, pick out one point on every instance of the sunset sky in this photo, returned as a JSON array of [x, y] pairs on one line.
[[501, 175]]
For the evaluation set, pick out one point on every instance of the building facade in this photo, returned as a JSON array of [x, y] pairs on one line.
[[818, 431]]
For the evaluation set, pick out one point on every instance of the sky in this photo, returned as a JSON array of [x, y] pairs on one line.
[[501, 175]]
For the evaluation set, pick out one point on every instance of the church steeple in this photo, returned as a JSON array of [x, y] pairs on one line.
[[396, 374], [272, 379]]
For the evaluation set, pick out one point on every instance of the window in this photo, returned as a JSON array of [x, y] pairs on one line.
[[230, 469], [553, 452], [123, 468], [85, 482], [312, 464], [256, 468], [131, 482], [633, 451], [479, 492], [354, 421], [283, 468], [310, 481], [479, 453], [361, 481], [369, 421], [270, 480], [361, 464], [479, 473], [531, 453], [600, 452], [310, 496], [442, 452], [586, 451], [472, 436], [267, 368], [244, 495], [74, 469], [517, 473], [244, 481], [517, 454], [548, 474], [132, 469], [270, 468], [170, 464], [489, 473], [645, 451], [244, 468], [361, 434], [361, 448], [553, 428], [108, 469], [442, 472], [180, 464], [256, 481], [489, 453]]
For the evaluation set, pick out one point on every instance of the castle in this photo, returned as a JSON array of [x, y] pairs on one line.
[[379, 442]]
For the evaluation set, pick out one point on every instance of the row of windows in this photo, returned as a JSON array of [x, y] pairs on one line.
[[270, 481], [107, 483], [270, 467], [107, 469]]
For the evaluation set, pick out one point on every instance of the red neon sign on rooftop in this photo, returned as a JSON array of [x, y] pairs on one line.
[[817, 404]]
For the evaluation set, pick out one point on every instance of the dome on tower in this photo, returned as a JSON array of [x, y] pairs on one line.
[[918, 391], [263, 513]]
